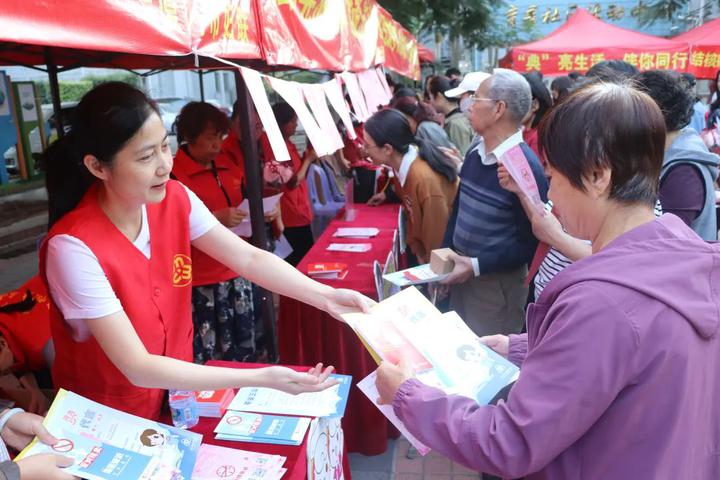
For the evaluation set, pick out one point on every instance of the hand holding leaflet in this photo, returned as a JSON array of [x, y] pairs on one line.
[[244, 229], [519, 169]]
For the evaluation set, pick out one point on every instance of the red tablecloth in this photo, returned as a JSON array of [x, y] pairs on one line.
[[296, 462], [307, 335]]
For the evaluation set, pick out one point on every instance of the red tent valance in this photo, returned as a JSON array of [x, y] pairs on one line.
[[585, 40], [704, 42]]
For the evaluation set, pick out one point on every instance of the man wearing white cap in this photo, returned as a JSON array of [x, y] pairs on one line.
[[465, 90]]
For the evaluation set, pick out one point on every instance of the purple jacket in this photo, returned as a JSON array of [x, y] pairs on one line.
[[621, 377]]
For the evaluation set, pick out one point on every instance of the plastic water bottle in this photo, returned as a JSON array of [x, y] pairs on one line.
[[183, 407]]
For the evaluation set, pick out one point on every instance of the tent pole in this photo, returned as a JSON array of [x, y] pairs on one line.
[[254, 184], [54, 92], [202, 85]]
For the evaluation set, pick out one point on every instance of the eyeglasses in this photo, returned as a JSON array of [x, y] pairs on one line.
[[475, 98]]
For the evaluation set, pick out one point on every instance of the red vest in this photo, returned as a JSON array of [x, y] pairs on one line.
[[155, 294], [27, 332], [201, 180], [295, 202], [231, 150]]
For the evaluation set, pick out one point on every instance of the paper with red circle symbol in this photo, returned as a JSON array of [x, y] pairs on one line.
[[233, 420], [519, 169], [63, 445], [225, 471]]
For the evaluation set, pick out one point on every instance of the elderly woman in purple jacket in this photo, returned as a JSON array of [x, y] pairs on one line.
[[619, 369]]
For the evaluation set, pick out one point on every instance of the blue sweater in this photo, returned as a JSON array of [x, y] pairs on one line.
[[487, 221]]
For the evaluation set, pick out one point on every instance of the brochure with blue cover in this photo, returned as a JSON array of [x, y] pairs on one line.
[[108, 444], [261, 428], [327, 403]]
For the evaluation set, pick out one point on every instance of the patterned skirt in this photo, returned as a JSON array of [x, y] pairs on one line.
[[226, 326]]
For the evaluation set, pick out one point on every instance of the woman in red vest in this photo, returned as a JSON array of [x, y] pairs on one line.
[[118, 267], [295, 203], [224, 320]]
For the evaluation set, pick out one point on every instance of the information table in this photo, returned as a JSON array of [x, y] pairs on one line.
[[296, 462], [307, 335]]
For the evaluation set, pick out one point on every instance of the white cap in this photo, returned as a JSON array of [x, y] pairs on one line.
[[470, 82]]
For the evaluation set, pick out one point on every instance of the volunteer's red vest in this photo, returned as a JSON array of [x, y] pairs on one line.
[[154, 293], [295, 202], [27, 332], [207, 270]]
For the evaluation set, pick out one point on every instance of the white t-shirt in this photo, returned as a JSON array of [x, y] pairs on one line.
[[77, 282]]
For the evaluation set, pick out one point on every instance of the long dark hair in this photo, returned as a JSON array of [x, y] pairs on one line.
[[542, 95], [390, 127], [105, 119]]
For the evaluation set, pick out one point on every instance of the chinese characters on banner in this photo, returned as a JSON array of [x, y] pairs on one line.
[[564, 63], [533, 14]]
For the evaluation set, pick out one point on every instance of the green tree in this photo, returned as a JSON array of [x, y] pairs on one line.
[[470, 19], [675, 11]]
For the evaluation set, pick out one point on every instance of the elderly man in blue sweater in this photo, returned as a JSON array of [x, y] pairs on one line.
[[488, 228]]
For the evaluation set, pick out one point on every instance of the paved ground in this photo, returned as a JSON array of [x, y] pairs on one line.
[[395, 465]]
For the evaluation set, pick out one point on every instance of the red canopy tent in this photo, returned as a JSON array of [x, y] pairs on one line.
[[704, 42], [585, 40]]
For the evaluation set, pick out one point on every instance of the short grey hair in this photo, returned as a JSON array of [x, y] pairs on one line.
[[512, 88]]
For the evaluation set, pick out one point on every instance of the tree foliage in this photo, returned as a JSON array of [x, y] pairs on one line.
[[471, 19]]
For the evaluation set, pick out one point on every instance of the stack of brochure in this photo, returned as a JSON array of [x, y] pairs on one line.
[[356, 232], [349, 247], [260, 428], [213, 403], [265, 415], [328, 271], [108, 444], [215, 462], [442, 350]]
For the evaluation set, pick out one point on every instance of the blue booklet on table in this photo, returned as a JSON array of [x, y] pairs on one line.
[[261, 428], [327, 403]]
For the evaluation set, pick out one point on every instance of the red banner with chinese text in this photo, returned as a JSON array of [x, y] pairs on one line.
[[303, 33], [564, 63], [704, 42], [585, 40], [146, 27], [226, 28], [399, 46]]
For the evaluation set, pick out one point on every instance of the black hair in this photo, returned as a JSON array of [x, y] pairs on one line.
[[452, 71], [195, 117], [406, 105], [574, 75], [284, 113], [607, 125], [612, 71], [24, 305], [441, 85], [390, 127], [541, 94], [562, 85], [671, 93], [236, 110], [106, 118]]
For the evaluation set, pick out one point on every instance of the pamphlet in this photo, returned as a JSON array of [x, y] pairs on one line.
[[330, 402], [261, 428], [325, 447], [442, 350], [215, 462], [349, 247], [367, 386], [356, 232], [414, 276], [213, 403], [109, 444], [519, 169], [328, 271], [283, 249], [244, 229], [390, 267]]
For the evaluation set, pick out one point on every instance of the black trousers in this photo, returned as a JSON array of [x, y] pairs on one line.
[[301, 240]]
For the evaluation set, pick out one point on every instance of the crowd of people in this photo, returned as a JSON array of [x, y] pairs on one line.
[[605, 298]]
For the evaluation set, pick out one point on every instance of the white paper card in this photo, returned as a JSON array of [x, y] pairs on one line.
[[292, 94], [315, 96], [367, 386], [333, 92], [254, 83], [244, 229], [356, 232], [349, 247], [356, 97]]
